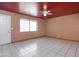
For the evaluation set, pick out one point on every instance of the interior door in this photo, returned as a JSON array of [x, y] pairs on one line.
[[5, 29]]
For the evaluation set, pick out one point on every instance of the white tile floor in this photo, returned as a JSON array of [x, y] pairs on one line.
[[41, 47]]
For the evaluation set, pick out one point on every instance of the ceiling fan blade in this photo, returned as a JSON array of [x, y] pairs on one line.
[[49, 13]]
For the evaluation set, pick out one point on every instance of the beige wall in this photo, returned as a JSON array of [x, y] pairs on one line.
[[16, 35], [66, 27]]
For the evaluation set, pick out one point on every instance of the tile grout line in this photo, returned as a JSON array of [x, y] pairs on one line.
[[16, 49], [76, 49], [68, 49], [2, 51], [11, 50], [61, 47], [23, 49]]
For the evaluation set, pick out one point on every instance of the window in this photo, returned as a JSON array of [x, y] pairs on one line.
[[28, 25], [24, 25], [33, 25]]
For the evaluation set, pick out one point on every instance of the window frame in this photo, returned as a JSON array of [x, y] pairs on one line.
[[29, 25]]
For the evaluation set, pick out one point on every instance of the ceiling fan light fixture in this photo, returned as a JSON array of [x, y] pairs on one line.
[[45, 14]]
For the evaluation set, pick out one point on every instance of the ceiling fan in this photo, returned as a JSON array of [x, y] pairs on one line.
[[45, 12]]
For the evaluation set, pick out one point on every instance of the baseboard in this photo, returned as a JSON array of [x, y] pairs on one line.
[[45, 36], [28, 39], [61, 38], [24, 40]]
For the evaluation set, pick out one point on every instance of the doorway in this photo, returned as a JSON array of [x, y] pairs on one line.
[[5, 29]]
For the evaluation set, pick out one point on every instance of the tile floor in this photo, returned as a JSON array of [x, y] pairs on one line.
[[41, 47]]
